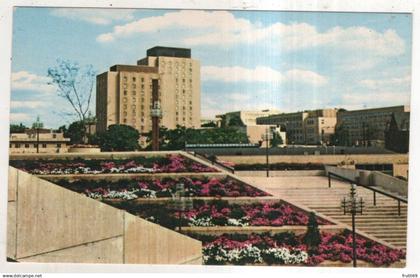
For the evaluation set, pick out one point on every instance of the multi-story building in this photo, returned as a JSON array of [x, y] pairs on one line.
[[366, 127], [305, 127], [46, 141], [179, 85], [246, 122], [243, 118], [124, 93]]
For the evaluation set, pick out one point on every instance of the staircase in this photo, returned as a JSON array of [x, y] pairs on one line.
[[381, 221]]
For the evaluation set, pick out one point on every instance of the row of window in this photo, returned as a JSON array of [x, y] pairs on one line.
[[28, 145]]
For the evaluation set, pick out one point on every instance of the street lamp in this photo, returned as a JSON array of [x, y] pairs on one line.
[[267, 137], [353, 204], [180, 203], [37, 125]]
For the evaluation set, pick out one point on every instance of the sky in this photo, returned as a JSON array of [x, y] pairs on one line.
[[250, 60]]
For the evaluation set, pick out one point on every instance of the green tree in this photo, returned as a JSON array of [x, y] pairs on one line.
[[312, 238], [20, 128], [235, 121], [277, 140], [76, 132], [209, 124], [175, 139], [118, 138]]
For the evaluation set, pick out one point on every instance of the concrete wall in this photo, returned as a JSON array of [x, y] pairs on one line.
[[87, 155], [400, 170], [389, 183], [47, 223], [299, 173], [372, 178], [320, 159]]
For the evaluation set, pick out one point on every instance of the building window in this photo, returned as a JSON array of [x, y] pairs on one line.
[[134, 93], [125, 120], [35, 145], [142, 86], [125, 92], [125, 78], [44, 145], [142, 80], [134, 79], [17, 145], [58, 145], [134, 86], [26, 145]]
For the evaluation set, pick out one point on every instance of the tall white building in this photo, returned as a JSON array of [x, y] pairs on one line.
[[124, 93]]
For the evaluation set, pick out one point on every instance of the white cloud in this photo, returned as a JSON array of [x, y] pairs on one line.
[[27, 104], [261, 74], [23, 80], [19, 117], [96, 16], [222, 28], [374, 99], [384, 83]]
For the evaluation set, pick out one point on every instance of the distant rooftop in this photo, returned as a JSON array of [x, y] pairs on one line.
[[169, 52], [134, 68]]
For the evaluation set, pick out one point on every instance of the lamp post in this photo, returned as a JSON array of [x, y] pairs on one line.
[[267, 137], [37, 125], [354, 205], [180, 203]]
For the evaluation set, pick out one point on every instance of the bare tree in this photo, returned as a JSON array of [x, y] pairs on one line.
[[75, 84]]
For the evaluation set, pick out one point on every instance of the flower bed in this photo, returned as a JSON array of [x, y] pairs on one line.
[[221, 213], [167, 164], [288, 249], [128, 189]]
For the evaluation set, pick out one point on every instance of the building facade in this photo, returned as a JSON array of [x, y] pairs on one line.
[[397, 133], [246, 122], [366, 127], [243, 118], [47, 142], [305, 127], [124, 93]]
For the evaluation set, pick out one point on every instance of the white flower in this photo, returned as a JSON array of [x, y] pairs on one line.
[[241, 222], [200, 222]]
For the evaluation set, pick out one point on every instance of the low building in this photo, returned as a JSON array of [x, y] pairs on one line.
[[47, 142], [311, 127], [246, 122], [366, 127], [243, 118], [397, 133]]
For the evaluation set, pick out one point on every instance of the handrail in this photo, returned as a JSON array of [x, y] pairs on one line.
[[372, 188], [230, 169]]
